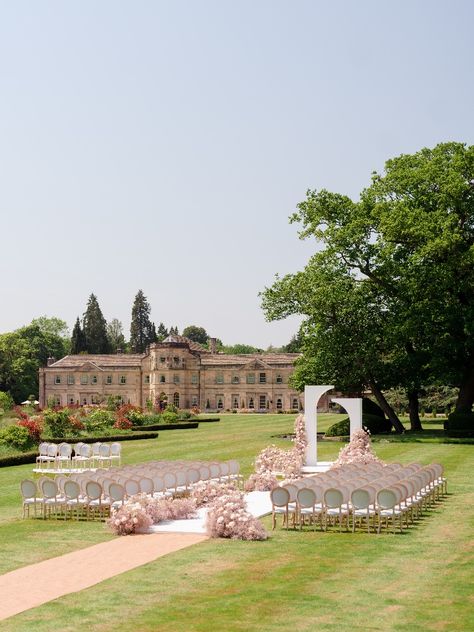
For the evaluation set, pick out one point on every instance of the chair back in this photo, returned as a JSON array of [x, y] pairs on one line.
[[146, 485], [71, 490], [86, 450], [104, 450], [360, 499], [49, 488], [116, 492], [52, 449], [132, 487], [115, 449], [292, 490], [192, 476], [28, 488], [333, 498], [387, 498], [306, 497], [93, 490], [280, 496], [158, 483], [96, 448]]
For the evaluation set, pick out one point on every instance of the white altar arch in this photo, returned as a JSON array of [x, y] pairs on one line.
[[312, 395]]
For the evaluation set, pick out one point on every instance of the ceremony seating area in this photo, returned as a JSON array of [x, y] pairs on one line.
[[362, 495], [66, 457], [92, 494]]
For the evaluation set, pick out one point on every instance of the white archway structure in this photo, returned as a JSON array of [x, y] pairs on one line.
[[353, 406], [312, 395]]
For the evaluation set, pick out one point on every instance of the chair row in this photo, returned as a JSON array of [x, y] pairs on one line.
[[384, 499], [79, 456]]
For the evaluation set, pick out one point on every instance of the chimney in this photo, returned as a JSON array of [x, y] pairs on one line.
[[213, 345], [50, 361]]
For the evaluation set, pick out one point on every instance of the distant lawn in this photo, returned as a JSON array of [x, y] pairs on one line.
[[421, 580]]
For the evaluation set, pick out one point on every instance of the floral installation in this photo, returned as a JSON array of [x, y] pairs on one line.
[[229, 518], [206, 492], [272, 460], [129, 518], [358, 450]]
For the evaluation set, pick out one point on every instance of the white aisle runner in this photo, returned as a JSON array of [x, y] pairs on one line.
[[258, 504]]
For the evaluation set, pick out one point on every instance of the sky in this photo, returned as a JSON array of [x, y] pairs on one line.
[[162, 146]]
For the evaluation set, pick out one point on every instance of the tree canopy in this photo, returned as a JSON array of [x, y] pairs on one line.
[[95, 327], [142, 330], [197, 334], [389, 299]]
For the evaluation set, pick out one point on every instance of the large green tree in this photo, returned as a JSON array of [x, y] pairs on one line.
[[197, 334], [95, 327], [407, 247], [142, 331], [78, 338], [116, 336]]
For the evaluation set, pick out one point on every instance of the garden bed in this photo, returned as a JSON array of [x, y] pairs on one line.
[[103, 438]]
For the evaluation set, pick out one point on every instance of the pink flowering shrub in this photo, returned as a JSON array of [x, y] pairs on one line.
[[129, 518], [229, 518], [359, 450], [206, 492]]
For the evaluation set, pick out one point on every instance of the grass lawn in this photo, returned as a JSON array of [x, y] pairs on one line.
[[421, 580]]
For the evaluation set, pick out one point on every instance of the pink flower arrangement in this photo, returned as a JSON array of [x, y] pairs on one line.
[[229, 518], [300, 440], [206, 492], [261, 482], [359, 450], [129, 518]]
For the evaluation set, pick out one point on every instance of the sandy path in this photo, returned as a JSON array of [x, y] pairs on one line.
[[33, 585]]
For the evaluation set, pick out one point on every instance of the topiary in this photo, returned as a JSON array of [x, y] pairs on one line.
[[460, 424]]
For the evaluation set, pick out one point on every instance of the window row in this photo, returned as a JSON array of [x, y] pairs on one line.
[[89, 379], [261, 402], [250, 378]]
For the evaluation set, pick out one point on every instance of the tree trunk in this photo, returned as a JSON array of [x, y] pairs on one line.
[[414, 408], [466, 392], [385, 406]]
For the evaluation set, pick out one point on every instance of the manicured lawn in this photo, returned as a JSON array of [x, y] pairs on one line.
[[421, 580]]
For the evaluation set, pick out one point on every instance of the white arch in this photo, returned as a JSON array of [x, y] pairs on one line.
[[353, 406], [312, 395]]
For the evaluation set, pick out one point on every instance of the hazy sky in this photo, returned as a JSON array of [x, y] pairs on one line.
[[163, 145]]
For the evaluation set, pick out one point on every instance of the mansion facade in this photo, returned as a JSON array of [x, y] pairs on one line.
[[177, 371]]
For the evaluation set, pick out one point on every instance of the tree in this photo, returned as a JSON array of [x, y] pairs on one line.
[[22, 353], [95, 327], [78, 339], [408, 243], [195, 333], [52, 325], [141, 330], [240, 349], [115, 336], [174, 331], [162, 333]]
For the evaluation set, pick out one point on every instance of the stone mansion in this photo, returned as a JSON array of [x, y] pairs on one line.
[[177, 371]]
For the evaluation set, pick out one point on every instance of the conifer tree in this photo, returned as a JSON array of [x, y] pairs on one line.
[[78, 339], [162, 333], [95, 327], [153, 334], [141, 330]]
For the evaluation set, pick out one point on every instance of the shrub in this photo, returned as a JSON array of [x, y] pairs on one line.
[[16, 436], [375, 425], [123, 423], [460, 424], [6, 401], [184, 415], [99, 420], [195, 410], [171, 408], [169, 417], [57, 422], [151, 418], [34, 429], [370, 407]]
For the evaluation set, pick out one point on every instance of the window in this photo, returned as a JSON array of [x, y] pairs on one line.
[[57, 401], [294, 403], [262, 402], [123, 379], [108, 379], [70, 399], [279, 403], [235, 379], [85, 380], [94, 379], [262, 378], [175, 378], [250, 378], [70, 379], [251, 404], [194, 400], [147, 379], [194, 378], [95, 399], [279, 379], [176, 360], [220, 402], [84, 401], [162, 360], [57, 379], [176, 400], [162, 379], [235, 401], [220, 378]]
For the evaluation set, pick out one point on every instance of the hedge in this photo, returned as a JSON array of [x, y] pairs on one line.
[[181, 426], [18, 459], [375, 425], [460, 424], [208, 420], [105, 438]]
